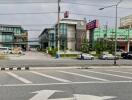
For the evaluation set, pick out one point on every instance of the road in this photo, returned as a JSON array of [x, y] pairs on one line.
[[61, 84], [61, 62], [38, 59]]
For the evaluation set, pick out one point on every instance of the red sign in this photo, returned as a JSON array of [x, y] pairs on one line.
[[93, 24], [66, 14]]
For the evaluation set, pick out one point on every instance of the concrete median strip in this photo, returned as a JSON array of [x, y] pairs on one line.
[[83, 76], [49, 76]]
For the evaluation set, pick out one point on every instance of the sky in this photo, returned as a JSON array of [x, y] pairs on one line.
[[35, 15]]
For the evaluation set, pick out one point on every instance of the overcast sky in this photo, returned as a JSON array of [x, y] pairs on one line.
[[31, 13]]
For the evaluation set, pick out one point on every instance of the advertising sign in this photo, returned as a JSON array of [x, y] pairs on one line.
[[66, 14], [93, 24]]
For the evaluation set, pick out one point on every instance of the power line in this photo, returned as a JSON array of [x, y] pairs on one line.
[[38, 13], [93, 15], [77, 3], [26, 2], [28, 13], [36, 24], [41, 2]]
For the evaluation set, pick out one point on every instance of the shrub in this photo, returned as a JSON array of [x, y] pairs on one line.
[[68, 55], [52, 52]]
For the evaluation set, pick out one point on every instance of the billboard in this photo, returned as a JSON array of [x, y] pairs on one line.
[[93, 24], [66, 14]]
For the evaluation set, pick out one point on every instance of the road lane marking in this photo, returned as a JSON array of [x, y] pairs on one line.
[[108, 74], [120, 71], [73, 83], [49, 76], [83, 75], [19, 78]]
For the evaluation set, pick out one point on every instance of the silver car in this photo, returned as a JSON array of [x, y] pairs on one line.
[[85, 57], [107, 57]]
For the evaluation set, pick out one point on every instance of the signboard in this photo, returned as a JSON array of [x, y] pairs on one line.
[[66, 14], [93, 24]]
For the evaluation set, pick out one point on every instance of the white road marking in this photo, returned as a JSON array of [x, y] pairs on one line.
[[19, 78], [43, 94], [120, 71], [108, 74], [51, 84], [52, 77], [91, 97], [83, 76], [63, 99]]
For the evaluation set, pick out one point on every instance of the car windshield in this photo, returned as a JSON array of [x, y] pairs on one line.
[[3, 48]]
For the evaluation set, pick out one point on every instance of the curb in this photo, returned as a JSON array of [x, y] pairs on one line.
[[79, 67], [14, 68]]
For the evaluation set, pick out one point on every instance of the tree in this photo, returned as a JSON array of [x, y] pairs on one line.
[[85, 46]]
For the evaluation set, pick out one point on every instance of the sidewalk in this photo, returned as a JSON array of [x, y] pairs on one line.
[[31, 56]]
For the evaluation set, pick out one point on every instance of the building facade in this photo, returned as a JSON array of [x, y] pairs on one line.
[[13, 36], [71, 33], [123, 35], [47, 38], [126, 22]]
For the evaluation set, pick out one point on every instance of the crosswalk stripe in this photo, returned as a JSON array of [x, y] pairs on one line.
[[84, 76], [120, 71], [49, 76], [108, 74], [19, 78]]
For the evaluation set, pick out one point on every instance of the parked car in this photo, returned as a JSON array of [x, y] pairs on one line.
[[4, 50], [126, 55], [108, 57], [85, 56]]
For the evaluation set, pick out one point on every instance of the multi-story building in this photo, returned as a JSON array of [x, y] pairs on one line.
[[13, 36], [47, 38], [126, 22], [109, 35], [71, 33]]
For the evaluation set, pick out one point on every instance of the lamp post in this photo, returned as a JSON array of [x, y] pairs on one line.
[[58, 31], [116, 15]]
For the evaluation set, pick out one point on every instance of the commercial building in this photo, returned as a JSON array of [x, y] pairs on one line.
[[126, 22], [71, 33], [109, 35], [47, 38], [13, 36]]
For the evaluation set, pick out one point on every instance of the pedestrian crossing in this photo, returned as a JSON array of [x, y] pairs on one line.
[[65, 76]]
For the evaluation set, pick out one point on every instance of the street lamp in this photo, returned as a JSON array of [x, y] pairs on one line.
[[116, 8]]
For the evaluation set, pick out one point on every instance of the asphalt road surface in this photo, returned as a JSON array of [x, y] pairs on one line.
[[61, 62], [67, 84]]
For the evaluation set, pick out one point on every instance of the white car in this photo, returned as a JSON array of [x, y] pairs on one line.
[[85, 57], [4, 50], [108, 57]]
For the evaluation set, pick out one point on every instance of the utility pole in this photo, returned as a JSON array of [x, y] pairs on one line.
[[128, 42], [116, 16], [58, 30]]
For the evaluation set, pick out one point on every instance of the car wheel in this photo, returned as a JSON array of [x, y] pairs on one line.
[[106, 58], [92, 58]]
